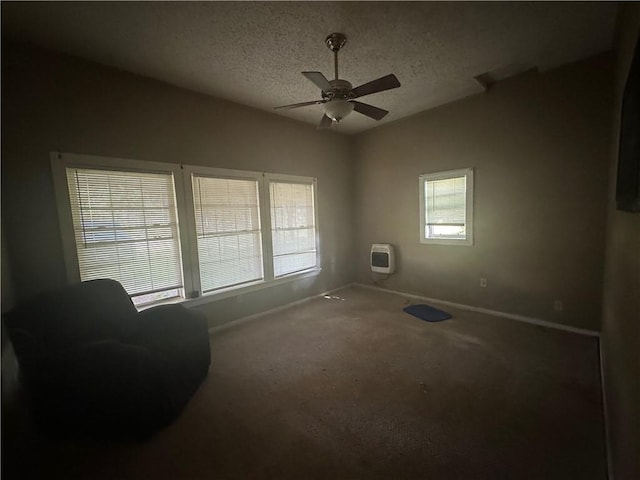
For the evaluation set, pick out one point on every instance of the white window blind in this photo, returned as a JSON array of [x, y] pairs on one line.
[[293, 227], [445, 207], [126, 228], [227, 215]]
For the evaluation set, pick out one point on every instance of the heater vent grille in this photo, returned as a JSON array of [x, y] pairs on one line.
[[382, 259]]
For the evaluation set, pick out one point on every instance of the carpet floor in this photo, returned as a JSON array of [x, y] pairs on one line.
[[350, 387]]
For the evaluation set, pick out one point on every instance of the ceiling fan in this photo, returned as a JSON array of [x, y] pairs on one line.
[[338, 96]]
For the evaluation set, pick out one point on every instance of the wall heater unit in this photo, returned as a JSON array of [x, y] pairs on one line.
[[382, 260]]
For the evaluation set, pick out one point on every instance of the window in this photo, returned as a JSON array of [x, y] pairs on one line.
[[228, 231], [176, 231], [446, 207], [125, 228], [293, 227]]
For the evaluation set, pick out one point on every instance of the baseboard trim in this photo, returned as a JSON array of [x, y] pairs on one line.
[[605, 413], [496, 313], [520, 318], [253, 316]]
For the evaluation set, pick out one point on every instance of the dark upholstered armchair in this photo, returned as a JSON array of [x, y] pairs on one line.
[[92, 364]]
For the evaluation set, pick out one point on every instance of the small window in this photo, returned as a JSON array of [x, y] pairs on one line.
[[446, 207], [293, 226]]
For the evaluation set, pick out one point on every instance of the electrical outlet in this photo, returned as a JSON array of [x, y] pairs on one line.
[[558, 306], [483, 282]]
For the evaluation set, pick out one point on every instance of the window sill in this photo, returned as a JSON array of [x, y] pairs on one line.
[[235, 291], [447, 241]]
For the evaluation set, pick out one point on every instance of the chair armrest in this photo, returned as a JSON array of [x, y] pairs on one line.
[[180, 335], [164, 321]]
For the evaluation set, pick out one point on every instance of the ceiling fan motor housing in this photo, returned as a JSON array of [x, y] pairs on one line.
[[340, 89]]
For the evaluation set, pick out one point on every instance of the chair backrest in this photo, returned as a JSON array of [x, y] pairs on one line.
[[69, 316]]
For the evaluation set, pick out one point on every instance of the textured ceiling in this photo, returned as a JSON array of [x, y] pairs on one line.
[[253, 53]]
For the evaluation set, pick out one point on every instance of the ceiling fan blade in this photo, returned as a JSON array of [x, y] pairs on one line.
[[374, 86], [302, 104], [325, 122], [296, 105], [319, 79], [369, 110]]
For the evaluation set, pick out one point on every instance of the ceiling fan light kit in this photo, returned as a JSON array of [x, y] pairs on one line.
[[338, 96], [337, 109]]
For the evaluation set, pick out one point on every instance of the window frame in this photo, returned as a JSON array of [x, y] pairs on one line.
[[188, 171], [182, 179], [469, 201]]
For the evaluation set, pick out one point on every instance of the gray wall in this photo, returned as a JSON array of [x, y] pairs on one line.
[[539, 144], [621, 314], [52, 102]]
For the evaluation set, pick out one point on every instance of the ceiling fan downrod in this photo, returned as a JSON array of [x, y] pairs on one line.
[[335, 42]]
